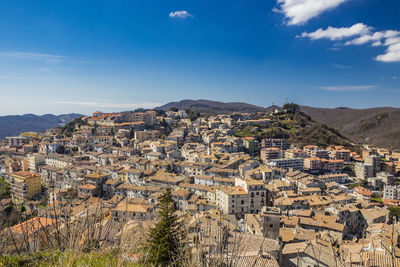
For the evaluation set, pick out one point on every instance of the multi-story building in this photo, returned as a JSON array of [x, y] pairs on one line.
[[332, 165], [295, 153], [25, 185], [232, 200], [250, 144], [270, 153], [48, 148], [295, 164], [316, 152], [387, 178], [271, 222], [343, 154], [391, 192], [312, 164], [34, 161], [148, 117], [363, 171], [334, 177], [141, 136], [257, 193], [17, 141], [375, 161], [58, 161], [275, 142]]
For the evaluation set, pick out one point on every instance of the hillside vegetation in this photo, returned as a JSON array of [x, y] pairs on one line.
[[299, 128], [379, 126], [213, 107]]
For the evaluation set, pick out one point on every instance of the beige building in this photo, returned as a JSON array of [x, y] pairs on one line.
[[232, 200], [34, 161], [257, 193], [363, 171], [25, 185]]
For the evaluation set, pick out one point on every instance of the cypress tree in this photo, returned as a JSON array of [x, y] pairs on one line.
[[164, 246]]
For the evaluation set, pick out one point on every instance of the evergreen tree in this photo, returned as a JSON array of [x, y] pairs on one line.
[[165, 244]]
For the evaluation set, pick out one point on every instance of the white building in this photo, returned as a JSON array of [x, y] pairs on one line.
[[295, 164]]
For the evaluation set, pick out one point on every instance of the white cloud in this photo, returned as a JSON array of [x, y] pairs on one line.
[[300, 11], [348, 88], [392, 54], [180, 14], [376, 38], [364, 35], [333, 34], [111, 105]]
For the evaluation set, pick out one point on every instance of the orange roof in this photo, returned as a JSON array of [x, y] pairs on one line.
[[32, 225], [87, 186], [26, 174], [363, 191], [391, 202]]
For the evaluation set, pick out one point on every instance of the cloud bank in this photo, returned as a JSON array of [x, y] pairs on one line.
[[300, 11], [360, 34]]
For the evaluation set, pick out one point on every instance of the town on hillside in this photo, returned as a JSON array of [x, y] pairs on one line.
[[248, 188]]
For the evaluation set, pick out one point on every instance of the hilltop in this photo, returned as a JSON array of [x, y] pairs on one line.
[[379, 126], [15, 124], [214, 107], [298, 128]]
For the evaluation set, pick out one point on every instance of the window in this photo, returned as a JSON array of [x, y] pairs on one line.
[[257, 193], [242, 201]]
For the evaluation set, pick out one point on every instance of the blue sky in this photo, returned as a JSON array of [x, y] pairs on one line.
[[82, 56]]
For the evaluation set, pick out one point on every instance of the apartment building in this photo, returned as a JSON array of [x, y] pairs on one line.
[[295, 153], [17, 141], [148, 117], [336, 177], [25, 185], [295, 164], [375, 161], [257, 193], [232, 200], [343, 154], [275, 142], [141, 136], [391, 192], [58, 161], [48, 148], [332, 165], [270, 153], [316, 152], [387, 178], [34, 161], [363, 171], [312, 164]]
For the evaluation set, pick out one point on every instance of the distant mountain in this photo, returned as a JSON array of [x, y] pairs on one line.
[[379, 126], [15, 124], [208, 106]]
